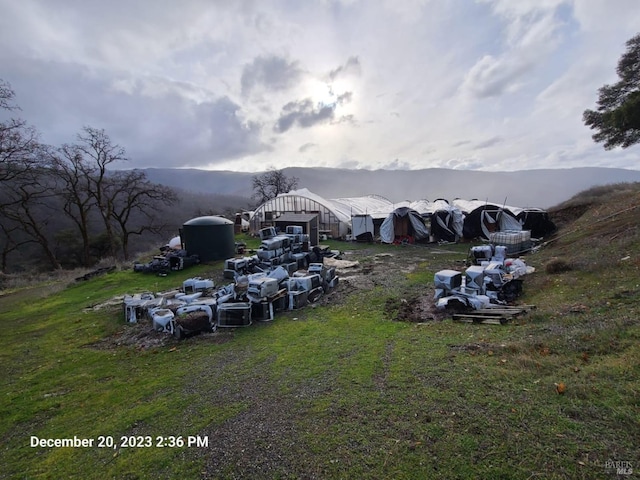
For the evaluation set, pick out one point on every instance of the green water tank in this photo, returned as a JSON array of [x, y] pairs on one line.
[[211, 238]]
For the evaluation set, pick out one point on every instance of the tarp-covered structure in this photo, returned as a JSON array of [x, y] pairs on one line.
[[447, 221], [403, 224], [334, 215], [443, 220], [537, 221], [483, 218]]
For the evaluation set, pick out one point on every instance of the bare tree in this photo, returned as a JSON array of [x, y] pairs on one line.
[[272, 183], [17, 139], [137, 205], [99, 153], [26, 193], [6, 96], [28, 201], [73, 175], [11, 240]]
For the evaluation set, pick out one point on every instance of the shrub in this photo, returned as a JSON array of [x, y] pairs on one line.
[[557, 265]]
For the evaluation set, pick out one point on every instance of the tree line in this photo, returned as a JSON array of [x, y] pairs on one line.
[[68, 206], [65, 206]]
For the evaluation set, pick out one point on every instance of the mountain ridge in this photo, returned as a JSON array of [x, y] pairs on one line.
[[541, 188]]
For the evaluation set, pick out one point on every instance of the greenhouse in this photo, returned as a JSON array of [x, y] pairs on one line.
[[334, 215]]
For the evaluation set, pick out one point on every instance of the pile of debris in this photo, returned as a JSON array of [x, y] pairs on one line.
[[493, 281], [169, 259], [289, 250], [281, 276]]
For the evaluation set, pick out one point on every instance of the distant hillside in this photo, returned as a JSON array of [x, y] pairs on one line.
[[524, 188]]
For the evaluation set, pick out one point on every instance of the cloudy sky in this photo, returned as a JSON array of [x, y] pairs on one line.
[[395, 84]]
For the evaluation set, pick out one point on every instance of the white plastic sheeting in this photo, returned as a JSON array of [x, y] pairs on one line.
[[483, 218], [361, 224], [350, 206], [387, 229], [175, 243], [334, 214], [468, 206], [447, 221]]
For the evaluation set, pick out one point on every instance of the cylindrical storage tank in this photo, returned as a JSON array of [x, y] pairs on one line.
[[211, 238]]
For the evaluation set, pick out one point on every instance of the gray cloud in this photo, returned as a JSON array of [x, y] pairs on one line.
[[167, 83], [352, 66], [305, 114], [271, 72], [344, 98], [532, 33], [491, 77], [158, 122], [306, 147], [489, 142]]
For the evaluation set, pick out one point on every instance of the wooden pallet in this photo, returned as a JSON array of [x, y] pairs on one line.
[[492, 316]]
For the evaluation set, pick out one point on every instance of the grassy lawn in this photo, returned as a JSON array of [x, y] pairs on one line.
[[338, 390]]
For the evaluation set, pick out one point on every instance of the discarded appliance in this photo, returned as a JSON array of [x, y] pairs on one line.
[[268, 232], [234, 314], [262, 311], [474, 279], [188, 298], [315, 294], [462, 300], [328, 277], [275, 243], [236, 266], [260, 289], [191, 319], [499, 253], [304, 281], [301, 259], [447, 281], [263, 287], [480, 253], [298, 299], [170, 260], [135, 306], [494, 253], [162, 320], [296, 235], [280, 273], [491, 282], [196, 284], [294, 230], [226, 293]]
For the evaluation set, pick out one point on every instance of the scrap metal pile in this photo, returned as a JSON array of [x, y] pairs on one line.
[[281, 276], [492, 280], [170, 259]]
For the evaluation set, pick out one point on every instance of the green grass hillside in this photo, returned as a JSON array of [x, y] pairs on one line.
[[344, 388]]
